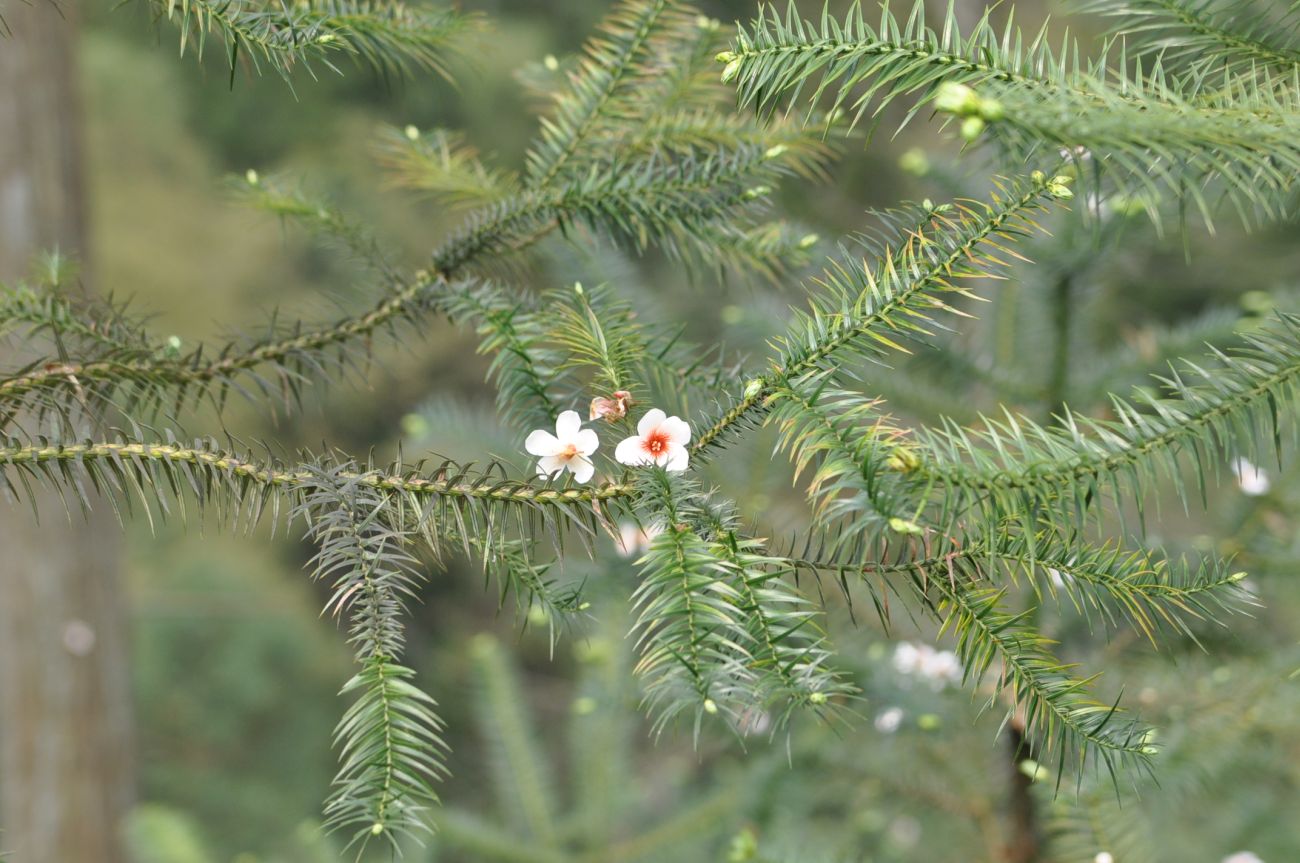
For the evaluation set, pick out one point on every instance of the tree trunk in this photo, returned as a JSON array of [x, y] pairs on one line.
[[65, 718]]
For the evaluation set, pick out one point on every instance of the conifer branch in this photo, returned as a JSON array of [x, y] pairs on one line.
[[390, 739], [387, 35], [867, 307]]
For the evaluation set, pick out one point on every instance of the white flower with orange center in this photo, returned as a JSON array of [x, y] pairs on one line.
[[660, 440], [570, 447]]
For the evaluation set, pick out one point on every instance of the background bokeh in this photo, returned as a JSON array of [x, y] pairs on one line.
[[236, 672]]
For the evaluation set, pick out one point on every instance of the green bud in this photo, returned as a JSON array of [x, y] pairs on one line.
[[1034, 770], [707, 24], [251, 176], [817, 698], [757, 192], [1258, 302], [1038, 177], [807, 241], [991, 110], [915, 162], [376, 828], [928, 722], [903, 460], [927, 204], [174, 342], [775, 152], [412, 133], [550, 63], [971, 128], [954, 98], [1236, 577], [325, 39], [725, 56], [753, 388], [1059, 192], [577, 288], [584, 606], [902, 525], [710, 706], [731, 71]]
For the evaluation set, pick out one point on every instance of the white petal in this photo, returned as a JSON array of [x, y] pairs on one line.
[[541, 442], [675, 459], [582, 468], [676, 429], [631, 451], [650, 421], [586, 441], [567, 425], [551, 466]]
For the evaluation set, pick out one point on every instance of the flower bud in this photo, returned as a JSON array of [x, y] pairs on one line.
[[757, 192], [954, 98], [376, 828], [817, 698], [807, 241], [776, 151], [550, 63], [902, 525], [915, 162], [991, 110], [731, 71], [251, 176], [753, 388], [902, 460], [710, 706], [971, 128], [725, 56], [412, 133]]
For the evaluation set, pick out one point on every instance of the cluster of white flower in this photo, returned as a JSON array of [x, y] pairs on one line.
[[659, 440], [1252, 480], [1243, 857], [937, 667]]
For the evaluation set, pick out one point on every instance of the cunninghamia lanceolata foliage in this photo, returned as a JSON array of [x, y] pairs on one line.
[[637, 151]]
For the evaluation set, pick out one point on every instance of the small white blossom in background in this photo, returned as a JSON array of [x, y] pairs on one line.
[[937, 667], [754, 722], [1243, 857], [659, 440], [1253, 480], [889, 720], [570, 447], [1104, 857], [633, 540]]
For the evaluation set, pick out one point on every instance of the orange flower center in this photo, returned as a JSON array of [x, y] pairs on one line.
[[656, 443], [568, 452]]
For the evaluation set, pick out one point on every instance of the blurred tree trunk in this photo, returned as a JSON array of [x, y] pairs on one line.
[[65, 718]]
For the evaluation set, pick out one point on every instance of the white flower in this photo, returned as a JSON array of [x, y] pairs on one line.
[[1243, 857], [889, 720], [1104, 857], [1253, 481], [570, 447], [937, 667], [660, 439]]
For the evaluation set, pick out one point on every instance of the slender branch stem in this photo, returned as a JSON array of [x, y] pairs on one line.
[[291, 479]]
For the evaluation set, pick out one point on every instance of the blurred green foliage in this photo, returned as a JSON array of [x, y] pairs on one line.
[[235, 673]]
